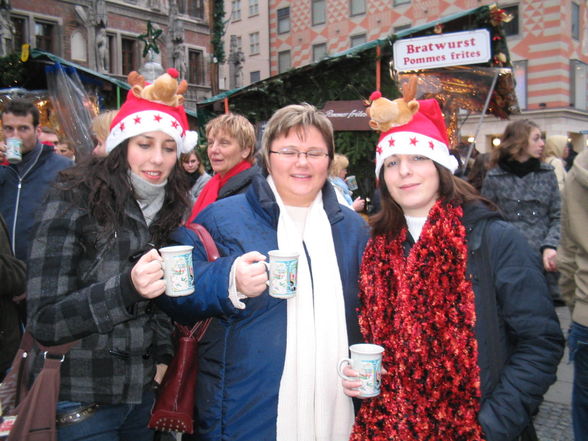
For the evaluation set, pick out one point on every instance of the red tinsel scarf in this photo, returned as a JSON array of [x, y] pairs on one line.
[[421, 310]]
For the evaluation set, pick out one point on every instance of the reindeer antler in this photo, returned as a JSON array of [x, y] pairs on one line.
[[409, 89]]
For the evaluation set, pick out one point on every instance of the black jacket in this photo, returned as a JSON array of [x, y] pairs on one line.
[[520, 342], [12, 283]]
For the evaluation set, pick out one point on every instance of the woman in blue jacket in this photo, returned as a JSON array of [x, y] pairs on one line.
[[268, 365], [457, 299]]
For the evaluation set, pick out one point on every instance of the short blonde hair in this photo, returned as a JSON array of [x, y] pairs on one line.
[[101, 124], [236, 126], [340, 162], [297, 117], [554, 146]]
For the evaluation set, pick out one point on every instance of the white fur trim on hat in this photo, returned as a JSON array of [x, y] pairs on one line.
[[413, 143], [149, 121]]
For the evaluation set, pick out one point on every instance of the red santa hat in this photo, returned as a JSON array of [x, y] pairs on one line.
[[139, 115], [425, 135]]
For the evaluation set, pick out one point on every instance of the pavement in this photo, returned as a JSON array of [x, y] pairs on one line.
[[554, 420]]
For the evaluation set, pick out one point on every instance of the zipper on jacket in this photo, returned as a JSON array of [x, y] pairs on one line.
[[17, 203]]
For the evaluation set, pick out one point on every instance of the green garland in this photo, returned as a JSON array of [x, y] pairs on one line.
[[218, 31], [12, 72]]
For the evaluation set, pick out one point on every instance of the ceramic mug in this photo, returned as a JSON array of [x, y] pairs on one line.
[[178, 271], [351, 183], [283, 273], [13, 150], [366, 359]]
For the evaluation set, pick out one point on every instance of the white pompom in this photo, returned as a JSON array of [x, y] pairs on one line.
[[190, 141]]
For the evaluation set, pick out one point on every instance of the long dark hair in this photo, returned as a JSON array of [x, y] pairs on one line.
[[109, 190], [452, 190]]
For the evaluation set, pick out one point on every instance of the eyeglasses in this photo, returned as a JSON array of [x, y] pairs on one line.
[[313, 155]]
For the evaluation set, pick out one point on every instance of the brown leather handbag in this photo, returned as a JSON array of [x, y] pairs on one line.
[[173, 410], [28, 414]]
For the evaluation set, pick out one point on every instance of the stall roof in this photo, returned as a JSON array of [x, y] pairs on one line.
[[349, 52], [40, 54]]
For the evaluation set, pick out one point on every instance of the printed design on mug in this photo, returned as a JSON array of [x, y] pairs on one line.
[[371, 377], [283, 280], [181, 272]]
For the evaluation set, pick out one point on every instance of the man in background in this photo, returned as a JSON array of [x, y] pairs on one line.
[[23, 185]]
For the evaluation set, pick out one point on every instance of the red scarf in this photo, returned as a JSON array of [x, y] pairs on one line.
[[421, 309], [209, 193]]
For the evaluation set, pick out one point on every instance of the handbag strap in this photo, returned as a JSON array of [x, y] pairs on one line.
[[212, 253]]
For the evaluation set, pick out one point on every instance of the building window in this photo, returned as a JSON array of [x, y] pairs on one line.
[[284, 61], [196, 67], [319, 51], [356, 7], [112, 53], [319, 12], [254, 76], [78, 46], [254, 43], [20, 32], [236, 10], [195, 8], [575, 21], [512, 27], [399, 28], [45, 36], [401, 2], [283, 20], [128, 55], [520, 75], [253, 7], [579, 77], [357, 40]]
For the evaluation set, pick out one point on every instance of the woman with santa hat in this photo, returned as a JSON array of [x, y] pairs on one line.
[[94, 271], [457, 299]]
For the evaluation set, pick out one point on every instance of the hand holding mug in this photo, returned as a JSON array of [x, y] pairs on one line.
[[2, 151], [147, 275], [364, 365], [250, 274]]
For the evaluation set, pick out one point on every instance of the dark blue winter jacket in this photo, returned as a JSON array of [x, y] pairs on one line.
[[23, 187], [242, 354], [520, 342]]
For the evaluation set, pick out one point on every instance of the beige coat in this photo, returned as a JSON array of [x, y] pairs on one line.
[[573, 247], [552, 153]]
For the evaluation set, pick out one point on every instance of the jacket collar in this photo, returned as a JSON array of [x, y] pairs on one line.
[[260, 196]]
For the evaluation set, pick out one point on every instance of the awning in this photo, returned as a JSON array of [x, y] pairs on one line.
[[38, 54]]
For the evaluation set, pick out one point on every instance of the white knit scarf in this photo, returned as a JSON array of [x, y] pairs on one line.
[[311, 404]]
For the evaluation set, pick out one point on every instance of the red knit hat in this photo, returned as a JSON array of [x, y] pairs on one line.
[[139, 115], [425, 134]]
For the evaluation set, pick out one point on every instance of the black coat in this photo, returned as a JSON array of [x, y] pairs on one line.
[[520, 342], [12, 283]]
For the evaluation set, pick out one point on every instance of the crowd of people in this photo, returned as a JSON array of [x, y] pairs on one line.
[[455, 277]]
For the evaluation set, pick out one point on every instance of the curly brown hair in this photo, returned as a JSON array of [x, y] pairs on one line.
[[108, 191]]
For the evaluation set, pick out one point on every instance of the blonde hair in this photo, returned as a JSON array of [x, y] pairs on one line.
[[554, 146], [297, 117], [236, 126], [101, 124], [339, 163]]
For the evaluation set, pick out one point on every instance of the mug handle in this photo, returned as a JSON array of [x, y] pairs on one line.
[[345, 361], [267, 265]]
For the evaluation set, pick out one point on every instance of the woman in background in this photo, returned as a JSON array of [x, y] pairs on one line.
[[552, 155], [195, 172], [337, 176], [100, 130], [526, 191]]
